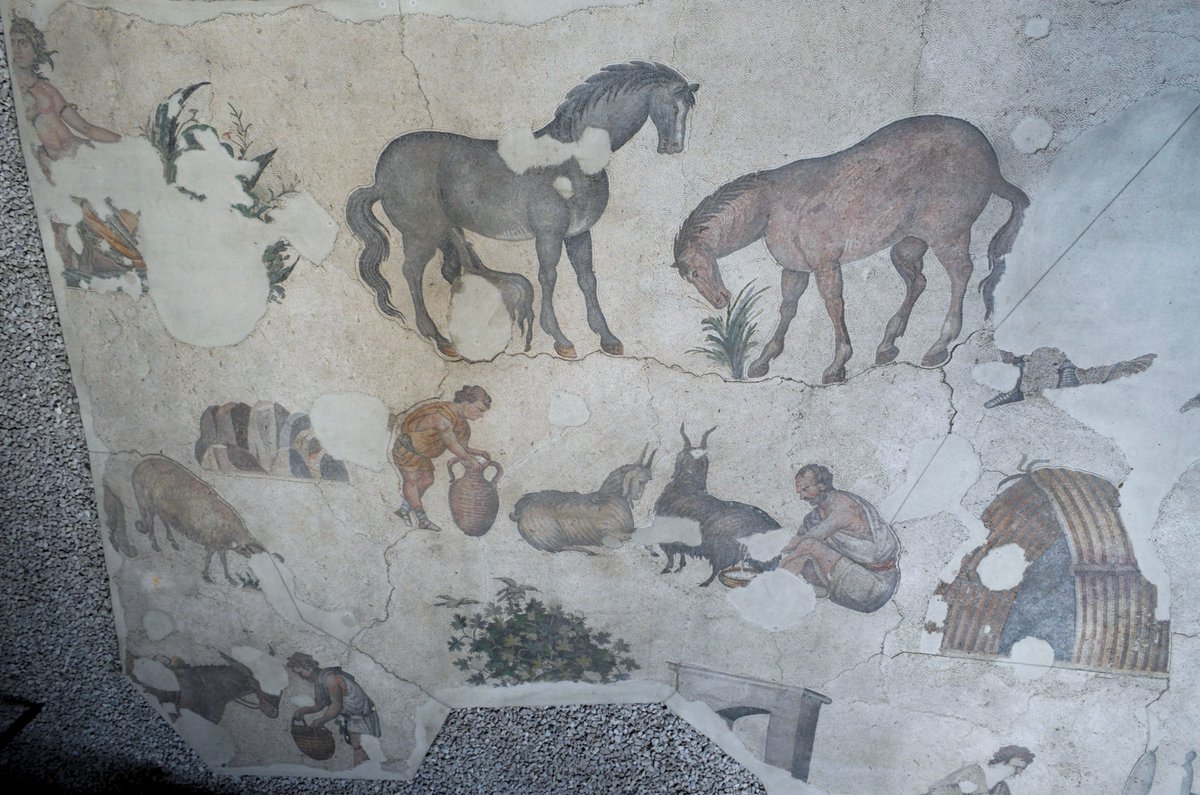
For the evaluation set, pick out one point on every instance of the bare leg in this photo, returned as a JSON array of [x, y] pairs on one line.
[[792, 285], [360, 755], [417, 253], [829, 284], [956, 259], [908, 260], [579, 252], [813, 561], [415, 483], [549, 251]]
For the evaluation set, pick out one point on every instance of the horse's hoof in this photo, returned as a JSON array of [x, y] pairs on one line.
[[448, 350], [758, 370], [835, 377], [887, 355], [935, 358], [613, 349], [566, 352]]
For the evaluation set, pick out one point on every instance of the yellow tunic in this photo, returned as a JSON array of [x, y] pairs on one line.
[[416, 449]]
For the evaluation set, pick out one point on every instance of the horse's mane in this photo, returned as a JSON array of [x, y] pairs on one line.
[[610, 82], [712, 206]]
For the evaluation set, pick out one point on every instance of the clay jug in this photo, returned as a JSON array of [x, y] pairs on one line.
[[474, 500]]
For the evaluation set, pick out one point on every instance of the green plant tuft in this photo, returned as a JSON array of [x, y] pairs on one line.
[[729, 338], [521, 639]]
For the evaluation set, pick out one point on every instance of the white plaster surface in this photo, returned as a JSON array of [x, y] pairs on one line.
[[1003, 567], [153, 673], [774, 600], [352, 427], [213, 743]]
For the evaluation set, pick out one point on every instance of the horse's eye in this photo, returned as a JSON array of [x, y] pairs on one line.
[[695, 274]]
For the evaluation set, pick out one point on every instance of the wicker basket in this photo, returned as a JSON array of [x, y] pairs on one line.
[[315, 742]]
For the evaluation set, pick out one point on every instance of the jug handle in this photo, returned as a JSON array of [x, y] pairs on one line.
[[491, 463]]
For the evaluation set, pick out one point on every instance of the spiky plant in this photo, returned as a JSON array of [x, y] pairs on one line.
[[729, 338]]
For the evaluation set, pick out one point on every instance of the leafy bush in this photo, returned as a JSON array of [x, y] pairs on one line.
[[729, 338], [521, 639]]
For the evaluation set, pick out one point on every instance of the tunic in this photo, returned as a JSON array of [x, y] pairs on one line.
[[866, 576], [416, 449], [358, 712]]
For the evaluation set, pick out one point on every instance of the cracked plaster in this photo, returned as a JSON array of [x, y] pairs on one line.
[[339, 576]]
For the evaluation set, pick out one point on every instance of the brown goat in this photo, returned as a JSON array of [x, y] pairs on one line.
[[567, 521]]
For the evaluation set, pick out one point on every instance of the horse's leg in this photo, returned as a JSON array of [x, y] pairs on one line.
[[955, 257], [549, 252], [908, 260], [792, 285], [829, 285], [579, 252], [417, 253]]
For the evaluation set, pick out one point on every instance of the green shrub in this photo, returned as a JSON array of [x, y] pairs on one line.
[[520, 639]]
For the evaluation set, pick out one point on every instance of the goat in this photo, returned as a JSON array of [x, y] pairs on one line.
[[723, 523], [459, 256], [567, 521]]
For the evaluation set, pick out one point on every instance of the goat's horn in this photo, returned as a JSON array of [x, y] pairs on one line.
[[642, 457], [704, 438], [686, 441], [650, 463]]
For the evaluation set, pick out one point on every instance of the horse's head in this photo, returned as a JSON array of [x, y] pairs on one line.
[[669, 106], [268, 704], [698, 267]]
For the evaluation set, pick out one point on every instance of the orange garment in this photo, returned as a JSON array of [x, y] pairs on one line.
[[416, 449]]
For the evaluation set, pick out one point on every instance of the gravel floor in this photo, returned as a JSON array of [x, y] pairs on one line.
[[96, 731]]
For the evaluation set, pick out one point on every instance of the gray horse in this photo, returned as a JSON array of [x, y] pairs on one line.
[[431, 183]]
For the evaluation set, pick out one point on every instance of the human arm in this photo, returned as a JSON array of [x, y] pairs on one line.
[[336, 688], [455, 445], [70, 114]]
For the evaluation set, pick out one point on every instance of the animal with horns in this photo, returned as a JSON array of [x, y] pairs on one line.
[[916, 184], [431, 183], [722, 523]]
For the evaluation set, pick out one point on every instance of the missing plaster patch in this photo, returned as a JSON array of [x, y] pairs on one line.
[[154, 674], [271, 673], [774, 600], [301, 700], [1037, 27], [1003, 568], [521, 151], [352, 427], [204, 265], [764, 546], [157, 624], [567, 410], [1032, 134], [564, 187], [214, 744], [477, 321], [669, 530], [997, 375], [1034, 655]]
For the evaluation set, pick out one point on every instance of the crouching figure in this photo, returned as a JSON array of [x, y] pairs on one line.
[[845, 549]]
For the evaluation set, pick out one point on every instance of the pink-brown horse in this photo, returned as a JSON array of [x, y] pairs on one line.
[[914, 185]]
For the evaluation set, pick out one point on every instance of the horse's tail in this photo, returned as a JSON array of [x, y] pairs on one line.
[[367, 228], [1002, 241]]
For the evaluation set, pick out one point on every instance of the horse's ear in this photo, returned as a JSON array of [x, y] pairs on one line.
[[694, 87]]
